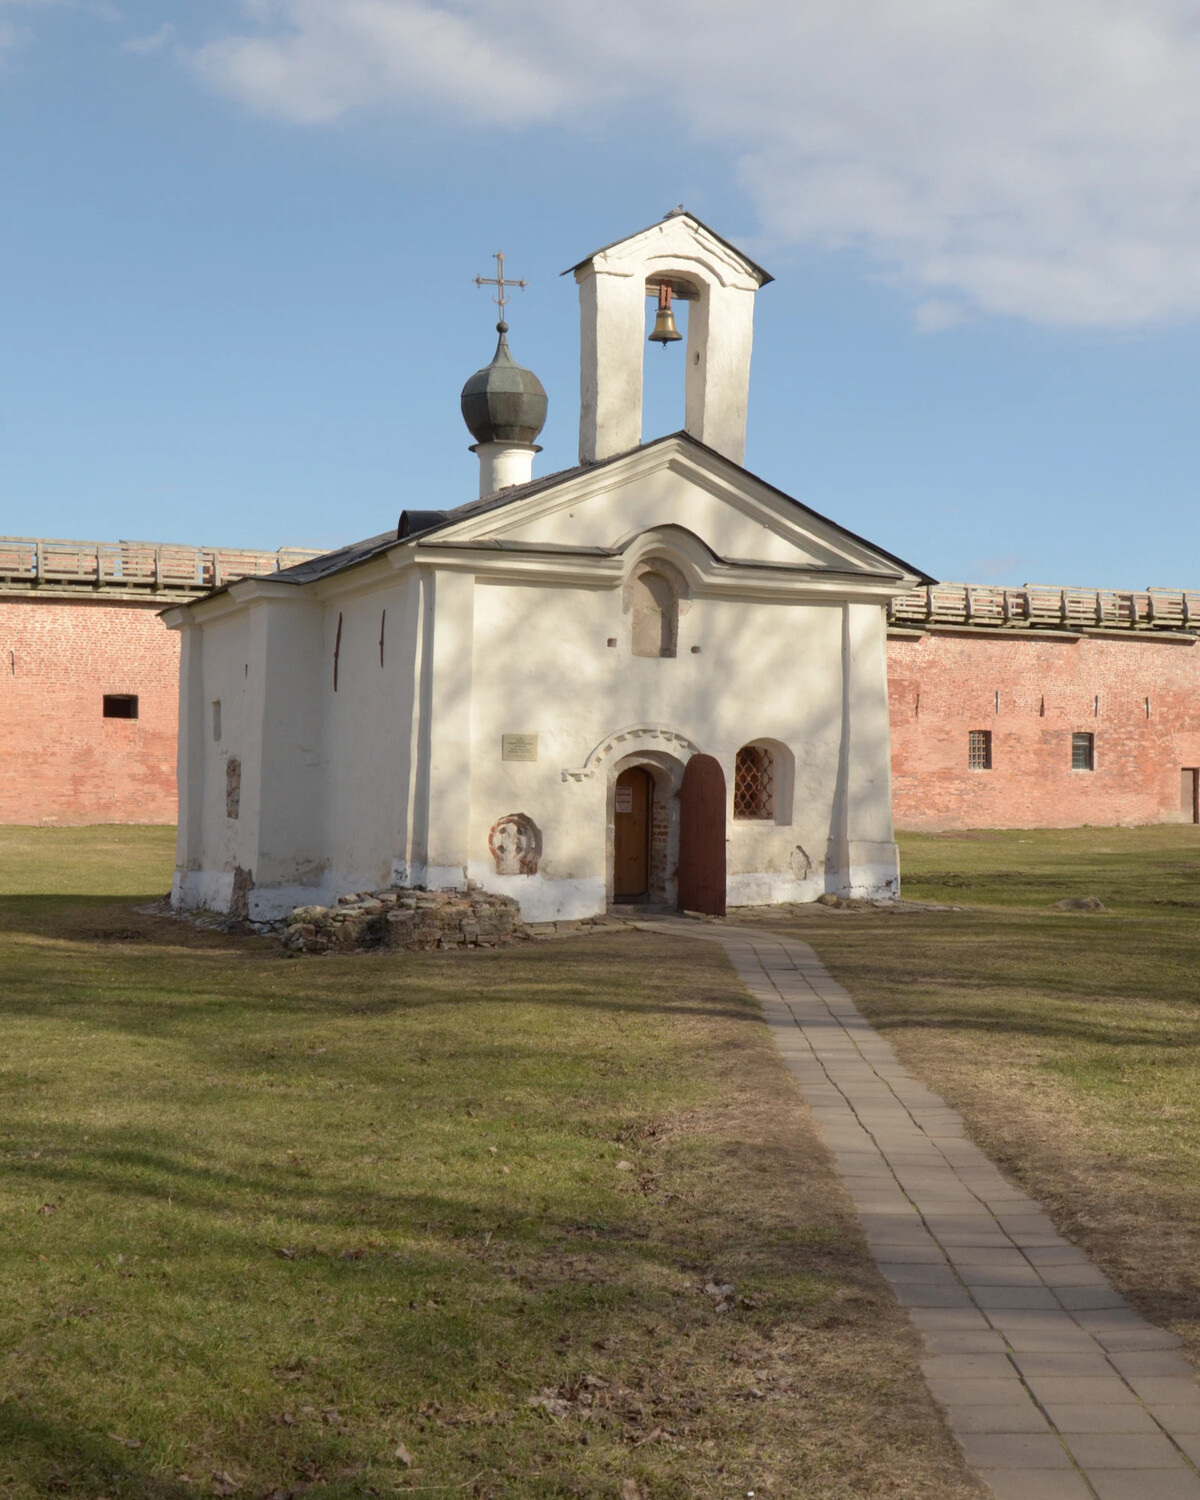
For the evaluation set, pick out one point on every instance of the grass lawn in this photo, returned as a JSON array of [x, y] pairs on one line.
[[275, 1226], [1069, 1041]]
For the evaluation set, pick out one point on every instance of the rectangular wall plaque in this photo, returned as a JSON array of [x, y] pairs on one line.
[[518, 747], [624, 799]]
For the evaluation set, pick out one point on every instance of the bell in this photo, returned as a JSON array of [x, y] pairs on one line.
[[664, 331]]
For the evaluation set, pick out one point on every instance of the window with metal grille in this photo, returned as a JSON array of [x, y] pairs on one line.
[[754, 783], [1083, 752], [979, 749], [120, 706]]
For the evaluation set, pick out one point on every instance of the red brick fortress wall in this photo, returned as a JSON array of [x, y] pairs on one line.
[[61, 760], [1031, 667], [1139, 697]]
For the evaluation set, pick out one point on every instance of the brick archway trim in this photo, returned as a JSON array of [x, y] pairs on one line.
[[629, 740]]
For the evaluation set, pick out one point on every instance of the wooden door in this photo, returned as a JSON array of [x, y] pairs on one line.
[[631, 834], [702, 837], [1189, 794]]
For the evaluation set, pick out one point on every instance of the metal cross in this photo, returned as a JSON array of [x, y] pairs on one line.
[[499, 282]]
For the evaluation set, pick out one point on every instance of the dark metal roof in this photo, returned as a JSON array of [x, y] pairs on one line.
[[333, 562], [677, 213], [504, 402]]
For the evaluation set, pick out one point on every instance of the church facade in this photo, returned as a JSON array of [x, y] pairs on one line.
[[652, 677]]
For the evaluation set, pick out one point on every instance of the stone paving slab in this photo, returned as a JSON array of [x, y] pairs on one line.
[[1054, 1387]]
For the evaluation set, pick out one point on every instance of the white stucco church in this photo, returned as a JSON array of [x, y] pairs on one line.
[[649, 678]]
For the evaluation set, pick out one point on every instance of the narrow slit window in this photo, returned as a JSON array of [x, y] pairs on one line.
[[216, 711], [120, 706], [1083, 752], [754, 783], [979, 750], [233, 786]]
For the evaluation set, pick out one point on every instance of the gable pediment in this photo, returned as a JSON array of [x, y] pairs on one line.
[[674, 486]]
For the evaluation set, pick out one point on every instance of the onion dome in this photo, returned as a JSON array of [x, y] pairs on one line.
[[504, 403]]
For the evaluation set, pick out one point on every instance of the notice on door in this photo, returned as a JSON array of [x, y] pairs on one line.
[[624, 799], [518, 747]]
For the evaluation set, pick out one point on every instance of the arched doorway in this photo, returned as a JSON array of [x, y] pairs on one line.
[[632, 816], [702, 837]]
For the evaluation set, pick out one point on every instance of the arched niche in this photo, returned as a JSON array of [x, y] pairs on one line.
[[652, 597]]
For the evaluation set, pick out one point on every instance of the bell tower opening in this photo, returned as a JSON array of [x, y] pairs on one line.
[[664, 354]]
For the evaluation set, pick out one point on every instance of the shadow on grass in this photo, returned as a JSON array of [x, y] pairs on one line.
[[43, 914], [68, 1461], [136, 1168], [353, 1233], [1055, 1028], [518, 1296], [169, 974]]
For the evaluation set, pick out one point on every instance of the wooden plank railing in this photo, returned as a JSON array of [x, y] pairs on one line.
[[133, 567], [1040, 607]]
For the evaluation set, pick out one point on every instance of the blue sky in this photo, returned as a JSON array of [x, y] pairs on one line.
[[236, 299]]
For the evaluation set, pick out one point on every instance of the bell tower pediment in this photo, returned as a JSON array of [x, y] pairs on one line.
[[718, 282]]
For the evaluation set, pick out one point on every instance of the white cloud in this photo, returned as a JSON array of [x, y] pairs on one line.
[[154, 41], [14, 33], [1036, 158], [937, 314], [332, 56]]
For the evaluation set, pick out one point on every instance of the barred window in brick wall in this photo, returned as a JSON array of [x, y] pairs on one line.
[[1083, 752], [979, 750], [754, 783]]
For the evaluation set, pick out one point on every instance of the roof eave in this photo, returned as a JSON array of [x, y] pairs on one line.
[[763, 275]]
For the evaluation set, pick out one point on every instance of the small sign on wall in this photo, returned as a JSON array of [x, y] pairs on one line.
[[624, 799], [518, 747]]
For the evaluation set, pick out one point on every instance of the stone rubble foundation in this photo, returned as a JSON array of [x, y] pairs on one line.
[[405, 921]]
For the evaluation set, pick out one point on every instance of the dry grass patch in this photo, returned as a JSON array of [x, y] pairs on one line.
[[360, 1226]]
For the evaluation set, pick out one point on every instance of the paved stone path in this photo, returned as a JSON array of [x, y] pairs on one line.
[[1054, 1386]]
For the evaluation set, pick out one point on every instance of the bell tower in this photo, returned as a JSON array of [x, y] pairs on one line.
[[679, 259]]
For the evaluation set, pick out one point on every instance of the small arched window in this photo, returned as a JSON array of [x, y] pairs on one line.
[[754, 783], [655, 614]]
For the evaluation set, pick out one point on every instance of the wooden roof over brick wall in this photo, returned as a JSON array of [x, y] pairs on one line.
[[1044, 607], [154, 571]]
